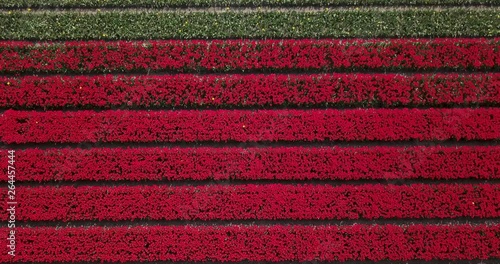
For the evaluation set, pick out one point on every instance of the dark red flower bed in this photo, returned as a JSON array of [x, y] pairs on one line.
[[240, 55], [250, 90], [256, 243], [259, 202], [249, 126], [273, 163]]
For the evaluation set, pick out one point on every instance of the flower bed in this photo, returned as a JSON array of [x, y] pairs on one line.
[[256, 243], [250, 126], [255, 90], [273, 163], [254, 55], [257, 202]]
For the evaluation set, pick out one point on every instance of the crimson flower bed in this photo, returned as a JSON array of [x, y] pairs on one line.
[[248, 126], [262, 202], [256, 243], [272, 163], [228, 91], [241, 55]]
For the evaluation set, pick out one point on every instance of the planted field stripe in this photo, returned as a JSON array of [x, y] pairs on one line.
[[253, 243], [211, 3], [235, 91], [273, 163], [151, 24], [257, 202], [250, 55], [250, 126]]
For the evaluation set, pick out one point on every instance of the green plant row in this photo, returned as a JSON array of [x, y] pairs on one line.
[[205, 3], [359, 22]]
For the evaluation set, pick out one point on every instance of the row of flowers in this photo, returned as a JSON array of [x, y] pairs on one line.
[[255, 243], [271, 163], [252, 202], [244, 55], [250, 126], [57, 92]]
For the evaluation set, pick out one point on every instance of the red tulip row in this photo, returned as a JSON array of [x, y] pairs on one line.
[[249, 90], [250, 126], [262, 202], [255, 243], [272, 163], [240, 55]]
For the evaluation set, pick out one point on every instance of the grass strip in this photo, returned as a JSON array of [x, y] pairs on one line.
[[226, 3], [147, 24]]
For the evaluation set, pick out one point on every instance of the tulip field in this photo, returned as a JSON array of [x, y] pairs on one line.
[[250, 131]]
